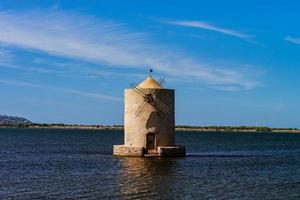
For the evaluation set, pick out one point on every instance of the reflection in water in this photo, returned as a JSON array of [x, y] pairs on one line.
[[143, 177]]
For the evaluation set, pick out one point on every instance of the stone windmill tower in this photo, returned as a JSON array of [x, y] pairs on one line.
[[149, 121]]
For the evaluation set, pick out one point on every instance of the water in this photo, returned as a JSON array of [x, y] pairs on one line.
[[77, 164]]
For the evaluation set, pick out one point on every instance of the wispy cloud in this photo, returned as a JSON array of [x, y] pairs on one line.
[[86, 38], [292, 40], [210, 27], [11, 65], [59, 89], [71, 35], [71, 70]]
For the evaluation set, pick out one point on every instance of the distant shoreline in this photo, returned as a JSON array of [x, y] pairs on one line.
[[178, 128], [19, 122]]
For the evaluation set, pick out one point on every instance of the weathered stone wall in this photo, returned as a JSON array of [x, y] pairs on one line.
[[162, 124]]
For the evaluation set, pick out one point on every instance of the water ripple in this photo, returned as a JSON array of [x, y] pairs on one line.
[[74, 164]]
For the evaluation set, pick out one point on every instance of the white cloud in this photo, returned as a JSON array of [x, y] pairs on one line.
[[210, 27], [59, 89], [292, 40], [86, 38]]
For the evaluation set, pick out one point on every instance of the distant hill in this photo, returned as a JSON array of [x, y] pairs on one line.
[[12, 121]]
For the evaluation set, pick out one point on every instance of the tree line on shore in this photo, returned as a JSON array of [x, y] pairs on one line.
[[185, 127], [228, 128], [49, 125]]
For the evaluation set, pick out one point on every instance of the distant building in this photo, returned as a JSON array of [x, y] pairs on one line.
[[149, 121]]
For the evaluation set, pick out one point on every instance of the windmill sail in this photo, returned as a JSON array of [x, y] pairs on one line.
[[150, 97]]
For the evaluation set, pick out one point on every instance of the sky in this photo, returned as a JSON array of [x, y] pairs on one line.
[[230, 62]]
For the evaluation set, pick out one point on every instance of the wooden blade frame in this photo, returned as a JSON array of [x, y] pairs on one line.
[[145, 105], [150, 98], [141, 109]]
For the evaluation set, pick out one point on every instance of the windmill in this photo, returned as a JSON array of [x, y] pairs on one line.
[[150, 98], [153, 134]]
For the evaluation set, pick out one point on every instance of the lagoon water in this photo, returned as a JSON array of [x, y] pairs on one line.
[[78, 164]]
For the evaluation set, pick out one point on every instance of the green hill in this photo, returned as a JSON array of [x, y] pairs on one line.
[[13, 121]]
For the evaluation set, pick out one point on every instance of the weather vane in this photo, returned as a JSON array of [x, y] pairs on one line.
[[150, 72]]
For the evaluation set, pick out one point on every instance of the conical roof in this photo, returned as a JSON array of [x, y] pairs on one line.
[[150, 83]]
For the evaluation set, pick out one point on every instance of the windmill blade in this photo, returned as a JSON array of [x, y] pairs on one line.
[[163, 107], [161, 82], [150, 98], [159, 108], [142, 91], [137, 90], [135, 87], [141, 108]]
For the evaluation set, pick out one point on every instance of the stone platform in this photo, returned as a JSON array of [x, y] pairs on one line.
[[173, 151], [122, 150]]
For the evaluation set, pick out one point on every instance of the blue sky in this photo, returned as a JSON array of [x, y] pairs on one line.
[[231, 62]]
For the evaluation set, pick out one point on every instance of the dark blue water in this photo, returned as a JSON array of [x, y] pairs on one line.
[[77, 164]]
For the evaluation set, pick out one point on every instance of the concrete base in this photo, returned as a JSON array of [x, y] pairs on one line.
[[174, 151], [122, 150]]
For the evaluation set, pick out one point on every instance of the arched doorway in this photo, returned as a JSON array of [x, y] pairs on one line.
[[150, 141]]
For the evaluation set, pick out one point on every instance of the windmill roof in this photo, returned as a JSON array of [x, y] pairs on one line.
[[150, 83]]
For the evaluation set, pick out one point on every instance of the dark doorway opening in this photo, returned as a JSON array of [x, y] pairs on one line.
[[150, 141]]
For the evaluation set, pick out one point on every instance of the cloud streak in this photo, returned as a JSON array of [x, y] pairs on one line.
[[74, 36], [210, 27], [64, 90], [292, 40]]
